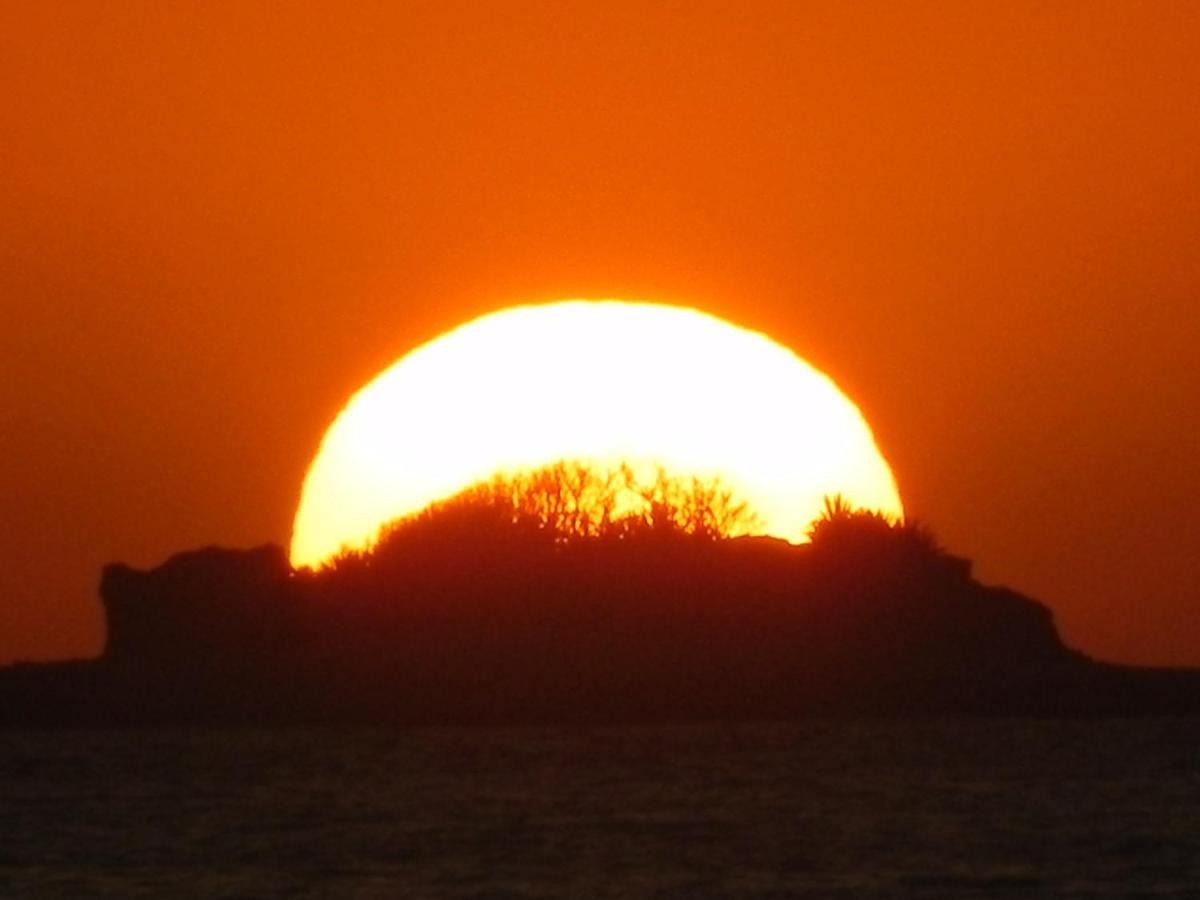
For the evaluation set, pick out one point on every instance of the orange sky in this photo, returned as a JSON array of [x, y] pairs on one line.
[[217, 223]]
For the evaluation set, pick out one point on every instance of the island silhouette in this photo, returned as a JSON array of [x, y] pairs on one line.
[[569, 594]]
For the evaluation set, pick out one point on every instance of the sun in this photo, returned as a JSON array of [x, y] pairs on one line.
[[603, 382]]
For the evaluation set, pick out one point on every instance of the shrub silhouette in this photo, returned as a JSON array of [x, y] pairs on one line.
[[567, 502], [844, 529]]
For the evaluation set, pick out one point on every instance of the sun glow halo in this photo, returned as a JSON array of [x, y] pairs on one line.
[[598, 381]]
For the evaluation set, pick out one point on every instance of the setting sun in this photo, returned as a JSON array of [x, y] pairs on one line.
[[605, 382]]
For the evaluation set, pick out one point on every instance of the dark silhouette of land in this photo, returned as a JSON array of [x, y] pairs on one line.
[[542, 599]]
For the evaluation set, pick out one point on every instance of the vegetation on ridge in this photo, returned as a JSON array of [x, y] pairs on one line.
[[850, 529], [571, 502]]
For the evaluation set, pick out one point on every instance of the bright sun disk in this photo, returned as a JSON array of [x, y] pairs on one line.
[[602, 382]]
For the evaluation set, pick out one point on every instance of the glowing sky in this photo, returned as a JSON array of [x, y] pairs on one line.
[[218, 221]]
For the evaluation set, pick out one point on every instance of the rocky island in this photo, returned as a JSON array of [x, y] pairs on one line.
[[473, 613]]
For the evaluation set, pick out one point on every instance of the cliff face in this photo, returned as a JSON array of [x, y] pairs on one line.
[[532, 632], [200, 606]]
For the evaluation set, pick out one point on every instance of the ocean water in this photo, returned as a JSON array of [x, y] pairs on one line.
[[978, 808]]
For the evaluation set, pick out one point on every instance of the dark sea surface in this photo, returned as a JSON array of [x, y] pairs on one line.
[[974, 808]]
